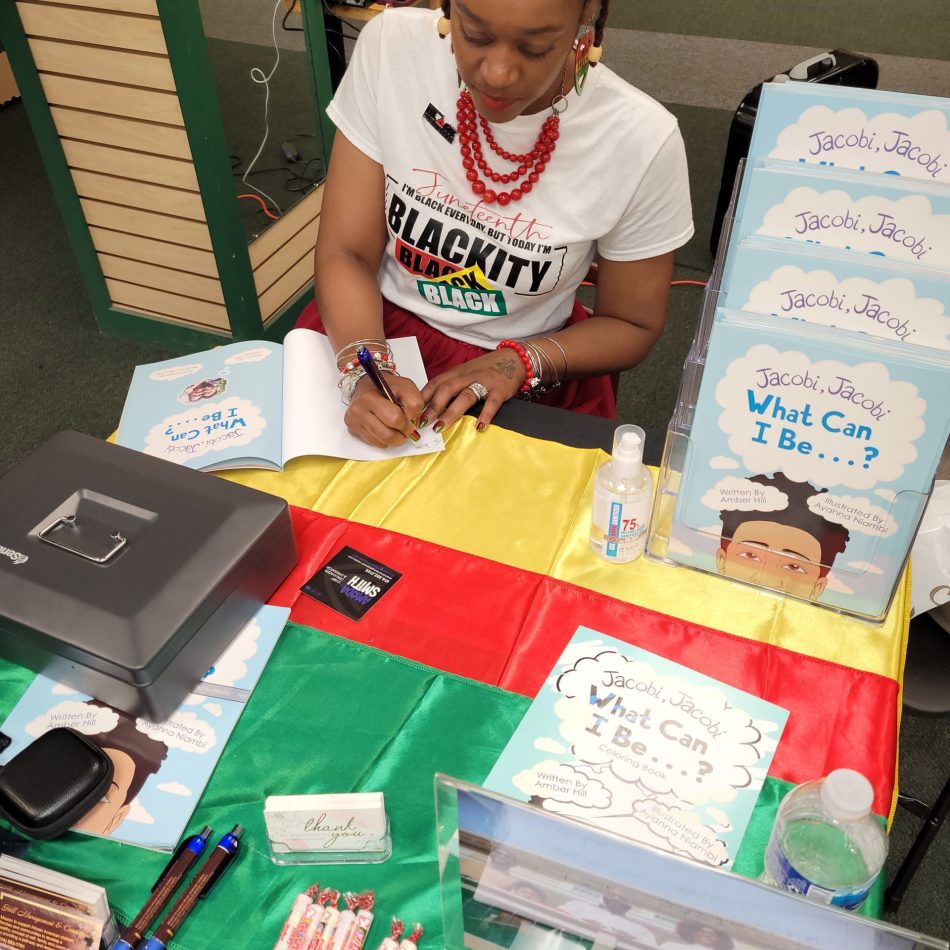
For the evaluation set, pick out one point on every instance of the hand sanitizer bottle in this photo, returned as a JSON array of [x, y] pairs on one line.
[[623, 492]]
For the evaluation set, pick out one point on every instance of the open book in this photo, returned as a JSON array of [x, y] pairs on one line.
[[255, 405], [161, 769]]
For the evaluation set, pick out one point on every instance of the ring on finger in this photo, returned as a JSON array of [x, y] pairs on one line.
[[480, 391]]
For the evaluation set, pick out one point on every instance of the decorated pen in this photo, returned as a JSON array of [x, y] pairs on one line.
[[366, 360], [208, 875], [175, 871]]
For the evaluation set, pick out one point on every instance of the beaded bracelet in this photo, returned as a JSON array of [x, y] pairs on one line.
[[530, 380]]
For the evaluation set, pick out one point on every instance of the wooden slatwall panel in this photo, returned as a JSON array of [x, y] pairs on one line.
[[282, 257], [105, 72]]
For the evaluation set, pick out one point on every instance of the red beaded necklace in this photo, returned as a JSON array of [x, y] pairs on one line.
[[531, 164]]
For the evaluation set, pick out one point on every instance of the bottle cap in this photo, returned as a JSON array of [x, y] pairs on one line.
[[627, 459], [846, 795]]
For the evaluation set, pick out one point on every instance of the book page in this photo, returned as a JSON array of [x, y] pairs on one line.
[[314, 409], [211, 410]]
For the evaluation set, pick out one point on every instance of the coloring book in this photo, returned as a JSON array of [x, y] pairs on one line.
[[255, 405], [811, 457], [161, 768], [642, 747], [890, 133], [883, 215], [901, 302]]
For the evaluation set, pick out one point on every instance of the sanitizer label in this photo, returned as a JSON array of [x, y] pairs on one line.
[[624, 531], [614, 527], [781, 870]]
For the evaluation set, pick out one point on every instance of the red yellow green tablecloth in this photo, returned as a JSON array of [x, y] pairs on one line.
[[491, 538]]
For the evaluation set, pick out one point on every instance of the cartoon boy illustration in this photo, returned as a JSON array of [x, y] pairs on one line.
[[206, 389], [135, 757], [790, 550]]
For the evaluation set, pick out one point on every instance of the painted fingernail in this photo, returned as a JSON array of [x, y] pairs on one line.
[[439, 426], [423, 421], [414, 423], [415, 436], [481, 427]]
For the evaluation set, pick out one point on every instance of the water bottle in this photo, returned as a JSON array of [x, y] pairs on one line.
[[825, 843]]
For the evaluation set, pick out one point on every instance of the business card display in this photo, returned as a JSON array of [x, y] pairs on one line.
[[328, 829], [350, 583]]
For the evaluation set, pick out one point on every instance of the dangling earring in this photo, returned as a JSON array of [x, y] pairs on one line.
[[582, 54], [444, 26]]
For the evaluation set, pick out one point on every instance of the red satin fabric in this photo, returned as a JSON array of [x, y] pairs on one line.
[[507, 627], [594, 396]]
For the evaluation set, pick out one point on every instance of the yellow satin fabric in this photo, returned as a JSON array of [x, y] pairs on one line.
[[526, 502]]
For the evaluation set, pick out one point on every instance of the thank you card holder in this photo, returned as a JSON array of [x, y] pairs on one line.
[[328, 829]]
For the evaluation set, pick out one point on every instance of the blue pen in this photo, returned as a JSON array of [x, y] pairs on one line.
[[366, 360], [200, 886], [175, 871]]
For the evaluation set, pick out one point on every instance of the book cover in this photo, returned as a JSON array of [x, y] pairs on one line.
[[885, 215], [255, 405], [27, 924], [43, 885], [900, 302], [810, 460], [162, 768], [872, 130], [643, 747]]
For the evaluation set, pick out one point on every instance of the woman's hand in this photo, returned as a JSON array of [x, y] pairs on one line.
[[374, 419], [449, 395]]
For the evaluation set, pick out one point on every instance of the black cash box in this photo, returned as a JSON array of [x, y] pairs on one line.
[[126, 576]]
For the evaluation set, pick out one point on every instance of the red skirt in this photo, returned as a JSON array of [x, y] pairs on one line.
[[593, 396]]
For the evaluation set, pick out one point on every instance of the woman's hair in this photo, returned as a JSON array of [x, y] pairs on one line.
[[598, 26]]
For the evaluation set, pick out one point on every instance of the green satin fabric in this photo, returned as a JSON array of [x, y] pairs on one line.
[[330, 715]]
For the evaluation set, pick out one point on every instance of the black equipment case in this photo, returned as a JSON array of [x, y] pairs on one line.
[[837, 67], [126, 576]]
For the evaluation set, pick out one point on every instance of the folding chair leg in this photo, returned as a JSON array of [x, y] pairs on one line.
[[895, 893]]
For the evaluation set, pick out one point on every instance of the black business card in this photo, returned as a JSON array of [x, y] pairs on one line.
[[350, 583]]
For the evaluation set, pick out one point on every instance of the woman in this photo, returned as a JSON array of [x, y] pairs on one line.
[[474, 174]]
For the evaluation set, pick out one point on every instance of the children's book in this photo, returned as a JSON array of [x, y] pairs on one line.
[[900, 302], [642, 747], [255, 405], [885, 215], [811, 457], [161, 768], [871, 130]]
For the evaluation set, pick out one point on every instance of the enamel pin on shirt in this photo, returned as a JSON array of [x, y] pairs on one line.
[[438, 121]]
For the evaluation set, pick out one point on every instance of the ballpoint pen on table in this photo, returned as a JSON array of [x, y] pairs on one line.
[[207, 876], [365, 359], [175, 872]]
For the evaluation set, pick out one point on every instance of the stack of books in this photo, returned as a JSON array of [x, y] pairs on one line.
[[43, 908], [813, 410]]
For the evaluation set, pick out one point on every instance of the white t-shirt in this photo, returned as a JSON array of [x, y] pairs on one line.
[[616, 183]]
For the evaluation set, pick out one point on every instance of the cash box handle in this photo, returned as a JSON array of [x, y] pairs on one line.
[[70, 521]]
